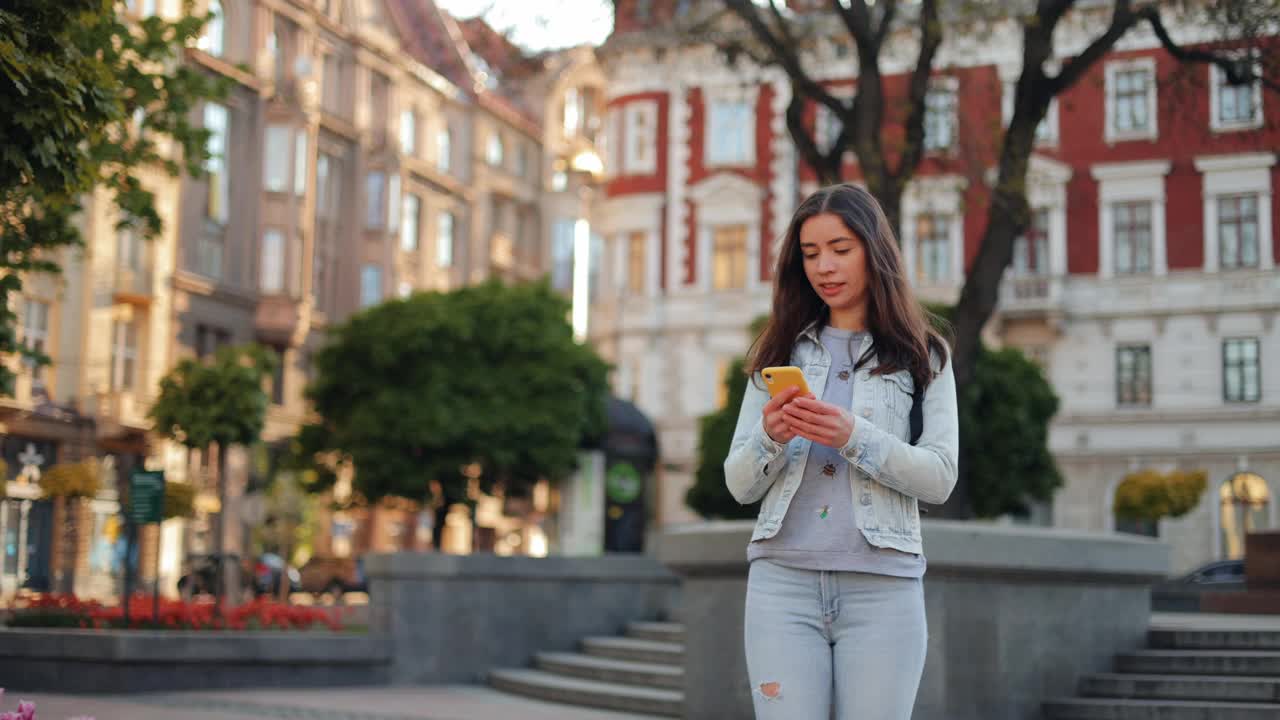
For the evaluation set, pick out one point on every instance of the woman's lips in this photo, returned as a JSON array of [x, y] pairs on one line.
[[830, 288]]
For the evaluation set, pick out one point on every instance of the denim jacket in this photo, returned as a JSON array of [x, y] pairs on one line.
[[887, 474]]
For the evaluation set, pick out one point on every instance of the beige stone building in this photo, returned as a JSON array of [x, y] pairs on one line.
[[367, 149]]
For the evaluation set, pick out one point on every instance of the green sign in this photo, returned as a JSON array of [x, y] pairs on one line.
[[146, 496], [622, 483]]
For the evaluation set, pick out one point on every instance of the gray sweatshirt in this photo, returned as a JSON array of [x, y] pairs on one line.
[[819, 531]]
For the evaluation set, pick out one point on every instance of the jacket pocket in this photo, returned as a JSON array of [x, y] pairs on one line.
[[897, 388]]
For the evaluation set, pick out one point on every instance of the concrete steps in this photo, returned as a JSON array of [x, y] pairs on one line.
[[641, 671], [1193, 669]]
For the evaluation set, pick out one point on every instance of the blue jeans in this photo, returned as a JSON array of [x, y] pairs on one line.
[[814, 638]]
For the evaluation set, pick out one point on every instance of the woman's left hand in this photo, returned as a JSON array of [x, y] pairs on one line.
[[820, 422]]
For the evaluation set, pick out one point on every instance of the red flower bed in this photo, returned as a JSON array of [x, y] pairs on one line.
[[58, 610]]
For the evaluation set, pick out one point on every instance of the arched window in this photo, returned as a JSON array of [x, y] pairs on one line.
[[1245, 508]]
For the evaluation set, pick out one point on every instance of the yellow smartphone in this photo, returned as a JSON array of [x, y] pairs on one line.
[[778, 379]]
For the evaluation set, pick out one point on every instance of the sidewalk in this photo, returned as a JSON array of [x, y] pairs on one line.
[[457, 702]]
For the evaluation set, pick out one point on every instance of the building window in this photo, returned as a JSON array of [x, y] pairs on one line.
[[213, 40], [375, 188], [572, 111], [641, 137], [393, 203], [300, 162], [35, 335], [408, 132], [379, 104], [1133, 375], [595, 259], [275, 164], [131, 249], [562, 234], [124, 354], [1235, 107], [495, 150], [730, 133], [370, 285], [933, 243], [522, 160], [271, 275], [1241, 370], [409, 222], [209, 339], [1031, 250], [327, 195], [1132, 231], [1238, 231], [637, 260], [215, 121], [331, 92], [444, 150], [1131, 100], [444, 240], [939, 118], [729, 257]]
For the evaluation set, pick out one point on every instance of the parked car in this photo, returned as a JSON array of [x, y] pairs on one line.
[[1182, 593], [333, 576]]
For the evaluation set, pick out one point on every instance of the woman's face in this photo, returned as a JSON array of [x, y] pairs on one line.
[[835, 261]]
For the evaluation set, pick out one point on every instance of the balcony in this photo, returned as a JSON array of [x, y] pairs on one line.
[[132, 286], [281, 320], [119, 413], [1030, 295]]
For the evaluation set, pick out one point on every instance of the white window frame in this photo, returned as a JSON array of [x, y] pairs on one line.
[[36, 316], [641, 157], [445, 246], [940, 195], [277, 150], [214, 38], [1218, 79], [637, 213], [730, 96], [124, 357], [217, 120], [408, 132], [301, 146], [1131, 182], [727, 199], [1243, 174], [375, 195], [949, 86], [370, 285], [1152, 132], [393, 202], [271, 272], [410, 222], [495, 151], [444, 149]]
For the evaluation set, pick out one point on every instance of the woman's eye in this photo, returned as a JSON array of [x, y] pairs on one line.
[[810, 257], [843, 252]]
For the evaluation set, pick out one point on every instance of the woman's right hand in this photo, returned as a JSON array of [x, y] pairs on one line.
[[775, 420]]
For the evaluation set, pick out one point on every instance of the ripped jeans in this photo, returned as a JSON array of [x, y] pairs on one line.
[[817, 638]]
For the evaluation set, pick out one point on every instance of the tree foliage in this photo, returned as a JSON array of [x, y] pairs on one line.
[[220, 401], [1149, 495], [1004, 433], [485, 381], [709, 496], [85, 97]]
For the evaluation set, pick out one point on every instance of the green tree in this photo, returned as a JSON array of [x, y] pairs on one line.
[[219, 403], [486, 381], [1004, 433], [85, 97], [709, 496]]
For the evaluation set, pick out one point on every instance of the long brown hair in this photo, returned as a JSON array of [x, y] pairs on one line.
[[901, 332]]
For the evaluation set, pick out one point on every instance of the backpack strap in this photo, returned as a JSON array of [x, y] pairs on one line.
[[917, 414]]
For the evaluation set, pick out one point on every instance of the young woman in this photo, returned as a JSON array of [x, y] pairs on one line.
[[835, 606]]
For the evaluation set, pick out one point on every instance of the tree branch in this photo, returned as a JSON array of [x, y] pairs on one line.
[[930, 40], [1122, 20], [784, 55], [1236, 71], [886, 21], [857, 18]]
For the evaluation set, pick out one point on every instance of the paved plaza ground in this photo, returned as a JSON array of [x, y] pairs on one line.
[[372, 703]]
